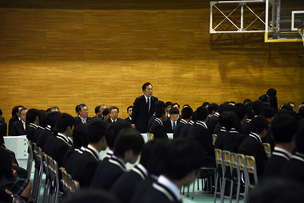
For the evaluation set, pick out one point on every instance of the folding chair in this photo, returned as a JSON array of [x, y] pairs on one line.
[[54, 184], [250, 168], [214, 136], [267, 149], [38, 173], [233, 168], [46, 170], [226, 163], [218, 161], [64, 179], [240, 169], [29, 160], [150, 136]]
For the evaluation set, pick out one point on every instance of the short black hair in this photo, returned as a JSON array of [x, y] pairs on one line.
[[51, 119], [206, 104], [31, 115], [78, 107], [114, 107], [201, 113], [44, 120], [0, 112], [284, 128], [258, 124], [185, 155], [129, 107], [268, 112], [113, 130], [146, 152], [229, 119], [95, 131], [174, 111], [6, 167], [65, 120], [175, 104], [271, 92], [159, 111], [168, 103], [257, 107], [287, 107], [212, 106], [146, 85], [128, 139], [15, 110], [160, 104], [80, 135], [240, 110], [97, 109], [223, 107], [246, 101], [187, 112], [106, 111]]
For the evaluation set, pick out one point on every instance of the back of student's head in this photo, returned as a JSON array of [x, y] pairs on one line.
[[212, 107], [65, 121], [79, 135], [258, 124], [113, 130], [106, 112], [43, 118], [185, 155], [168, 103], [271, 93], [239, 109], [229, 119], [128, 139], [160, 104], [174, 111], [223, 107], [159, 111], [201, 113], [288, 107], [187, 112], [52, 119], [257, 107], [284, 128], [6, 168], [268, 112], [31, 115], [146, 152], [95, 131]]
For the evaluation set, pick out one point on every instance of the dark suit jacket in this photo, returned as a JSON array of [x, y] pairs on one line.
[[232, 141], [128, 120], [157, 128], [184, 131], [247, 127], [100, 117], [59, 147], [178, 128], [10, 123], [83, 167], [294, 168], [168, 126], [213, 120], [42, 137], [220, 139], [253, 147], [3, 129], [140, 114], [141, 189], [152, 118], [37, 132], [17, 129], [108, 121], [126, 184], [204, 137], [275, 164], [269, 138], [30, 130], [78, 120], [107, 172], [273, 101]]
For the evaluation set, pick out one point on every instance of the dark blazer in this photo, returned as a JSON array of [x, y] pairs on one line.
[[253, 147], [247, 127], [10, 123], [213, 120], [269, 138], [83, 167], [140, 114], [294, 168], [30, 130], [78, 120], [42, 137], [275, 164], [3, 129], [17, 129], [128, 120], [107, 172], [141, 188], [168, 126], [157, 128], [59, 147], [152, 118], [178, 128], [100, 117], [204, 137], [108, 121], [232, 141], [37, 132], [184, 131], [220, 139], [273, 101], [126, 184]]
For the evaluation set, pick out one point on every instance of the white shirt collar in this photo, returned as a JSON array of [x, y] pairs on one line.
[[130, 117], [171, 186], [144, 170], [110, 152], [146, 98], [113, 120], [34, 125], [95, 150], [257, 136], [172, 123], [202, 122], [63, 136], [283, 150]]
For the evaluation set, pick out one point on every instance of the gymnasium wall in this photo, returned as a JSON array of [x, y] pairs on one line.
[[63, 53]]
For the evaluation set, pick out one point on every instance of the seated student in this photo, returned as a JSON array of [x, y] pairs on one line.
[[184, 131], [185, 158], [171, 123], [83, 168], [152, 118], [157, 127], [257, 107], [213, 116], [186, 117], [295, 167], [42, 130], [284, 128], [32, 122], [201, 133], [111, 133], [253, 145], [269, 113], [47, 141], [223, 107], [63, 141], [168, 107], [128, 146], [125, 185]]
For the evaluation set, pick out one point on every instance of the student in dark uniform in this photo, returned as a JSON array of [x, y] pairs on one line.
[[157, 127], [15, 117], [32, 122], [171, 123], [184, 131], [152, 118], [213, 119], [284, 128], [269, 113], [127, 148], [185, 158], [47, 141], [186, 117]]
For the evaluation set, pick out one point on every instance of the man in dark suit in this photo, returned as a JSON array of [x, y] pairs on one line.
[[126, 150], [99, 111], [19, 127], [129, 112], [171, 123], [186, 117], [157, 127], [201, 133], [83, 112], [271, 98], [143, 108], [84, 168], [114, 111], [176, 173], [284, 128]]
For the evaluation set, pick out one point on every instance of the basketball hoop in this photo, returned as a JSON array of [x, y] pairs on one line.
[[301, 32]]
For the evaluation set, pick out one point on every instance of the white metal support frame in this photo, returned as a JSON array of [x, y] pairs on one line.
[[239, 29]]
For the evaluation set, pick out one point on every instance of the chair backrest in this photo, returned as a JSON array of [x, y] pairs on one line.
[[218, 156], [226, 157], [251, 167], [214, 136], [64, 178], [233, 160], [150, 136], [74, 186], [241, 162], [267, 149]]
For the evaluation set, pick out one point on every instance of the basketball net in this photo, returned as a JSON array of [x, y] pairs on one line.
[[301, 32]]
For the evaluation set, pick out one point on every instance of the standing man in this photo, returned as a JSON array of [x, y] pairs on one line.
[[143, 108]]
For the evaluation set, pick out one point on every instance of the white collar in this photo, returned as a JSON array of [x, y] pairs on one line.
[[130, 117], [113, 120], [173, 122], [94, 150], [158, 120], [34, 125], [110, 152], [146, 98], [171, 186], [203, 123], [63, 136], [256, 135], [284, 151], [144, 170]]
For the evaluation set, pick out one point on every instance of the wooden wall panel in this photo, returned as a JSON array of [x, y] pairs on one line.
[[67, 53]]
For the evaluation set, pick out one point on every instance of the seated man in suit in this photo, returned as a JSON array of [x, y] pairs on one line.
[[171, 123], [284, 128], [200, 132], [186, 117], [114, 111], [82, 111], [182, 167], [83, 169], [157, 127], [127, 148], [253, 146], [129, 112], [98, 111], [19, 127]]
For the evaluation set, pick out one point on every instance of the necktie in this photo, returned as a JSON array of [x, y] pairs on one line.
[[84, 120], [24, 126], [174, 125], [148, 104]]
